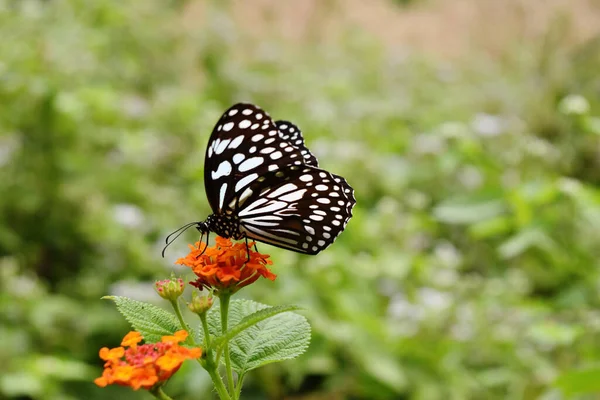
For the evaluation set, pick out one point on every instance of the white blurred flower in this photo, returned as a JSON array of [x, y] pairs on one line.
[[448, 254], [574, 104], [470, 177], [463, 329], [401, 309], [135, 106], [487, 125], [429, 144], [435, 300], [128, 215], [452, 129]]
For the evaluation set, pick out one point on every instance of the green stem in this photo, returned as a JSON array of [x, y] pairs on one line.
[[224, 310], [209, 363], [219, 386], [238, 387], [177, 309], [159, 394], [205, 329]]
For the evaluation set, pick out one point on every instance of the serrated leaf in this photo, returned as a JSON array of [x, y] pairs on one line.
[[252, 319], [151, 321], [276, 337]]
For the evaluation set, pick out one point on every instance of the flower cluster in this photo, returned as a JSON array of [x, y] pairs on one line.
[[226, 265], [144, 366]]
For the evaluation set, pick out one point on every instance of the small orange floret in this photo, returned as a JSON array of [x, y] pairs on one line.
[[131, 339], [143, 366], [226, 265]]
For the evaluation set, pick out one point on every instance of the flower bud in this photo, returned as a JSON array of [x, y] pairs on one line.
[[170, 289], [200, 304]]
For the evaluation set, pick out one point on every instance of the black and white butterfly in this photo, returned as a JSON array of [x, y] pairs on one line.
[[262, 183]]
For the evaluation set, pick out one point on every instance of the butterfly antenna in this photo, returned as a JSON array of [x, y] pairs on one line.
[[178, 233]]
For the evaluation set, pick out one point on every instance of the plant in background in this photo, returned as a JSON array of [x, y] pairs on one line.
[[232, 338]]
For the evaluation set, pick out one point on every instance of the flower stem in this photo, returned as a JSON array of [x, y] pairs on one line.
[[210, 365], [224, 297], [238, 387], [159, 394], [205, 329], [177, 309], [219, 386]]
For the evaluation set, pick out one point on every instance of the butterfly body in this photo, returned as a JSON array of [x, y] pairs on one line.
[[262, 183]]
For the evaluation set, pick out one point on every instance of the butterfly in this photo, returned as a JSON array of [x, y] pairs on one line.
[[262, 183]]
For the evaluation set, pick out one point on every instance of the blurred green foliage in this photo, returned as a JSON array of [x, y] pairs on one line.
[[470, 268]]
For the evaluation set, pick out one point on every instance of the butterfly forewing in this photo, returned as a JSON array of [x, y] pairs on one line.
[[244, 145], [301, 208]]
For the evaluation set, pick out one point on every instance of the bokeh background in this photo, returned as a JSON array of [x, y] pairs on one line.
[[470, 130]]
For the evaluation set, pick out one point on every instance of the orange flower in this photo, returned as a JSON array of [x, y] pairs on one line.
[[143, 366], [226, 265]]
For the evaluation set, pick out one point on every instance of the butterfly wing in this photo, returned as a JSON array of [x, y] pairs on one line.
[[292, 134], [244, 145], [299, 207]]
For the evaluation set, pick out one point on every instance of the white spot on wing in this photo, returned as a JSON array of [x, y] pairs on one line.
[[223, 169], [245, 181], [222, 195], [244, 124], [276, 155], [269, 208], [238, 158], [294, 196], [236, 142], [222, 146], [228, 126], [233, 112], [288, 187], [267, 150], [251, 163]]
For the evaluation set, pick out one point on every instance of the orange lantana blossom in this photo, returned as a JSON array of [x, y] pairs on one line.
[[146, 365], [226, 265]]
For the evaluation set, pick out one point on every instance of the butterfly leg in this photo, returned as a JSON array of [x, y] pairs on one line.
[[248, 249], [205, 246]]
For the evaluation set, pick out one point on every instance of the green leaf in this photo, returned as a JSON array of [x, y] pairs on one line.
[[523, 241], [580, 381], [151, 321], [261, 334], [252, 319], [468, 211]]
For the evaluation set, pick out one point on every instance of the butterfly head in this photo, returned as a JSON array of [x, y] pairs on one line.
[[202, 226]]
